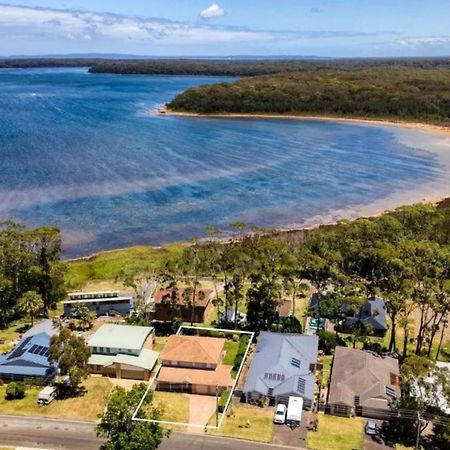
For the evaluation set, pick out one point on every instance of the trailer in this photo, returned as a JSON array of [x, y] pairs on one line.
[[294, 411], [47, 395]]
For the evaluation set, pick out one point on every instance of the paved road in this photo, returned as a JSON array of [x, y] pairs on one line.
[[58, 434]]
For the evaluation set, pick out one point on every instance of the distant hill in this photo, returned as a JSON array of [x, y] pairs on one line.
[[241, 66]]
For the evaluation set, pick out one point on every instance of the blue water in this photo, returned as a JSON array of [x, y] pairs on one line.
[[85, 153]]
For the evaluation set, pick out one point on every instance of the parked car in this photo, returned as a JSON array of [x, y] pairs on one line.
[[371, 427], [280, 414]]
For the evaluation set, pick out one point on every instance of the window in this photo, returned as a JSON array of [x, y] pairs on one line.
[[390, 391], [394, 379], [296, 362], [356, 400], [266, 375], [301, 384]]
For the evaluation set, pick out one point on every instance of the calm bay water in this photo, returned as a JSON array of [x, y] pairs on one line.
[[85, 153]]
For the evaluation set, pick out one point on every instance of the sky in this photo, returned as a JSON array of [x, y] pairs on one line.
[[326, 28]]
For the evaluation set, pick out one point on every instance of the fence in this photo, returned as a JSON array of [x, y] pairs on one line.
[[377, 413]]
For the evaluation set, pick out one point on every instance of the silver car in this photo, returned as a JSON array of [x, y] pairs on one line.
[[371, 427]]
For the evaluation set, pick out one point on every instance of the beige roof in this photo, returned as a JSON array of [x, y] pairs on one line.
[[221, 376], [197, 349], [363, 374]]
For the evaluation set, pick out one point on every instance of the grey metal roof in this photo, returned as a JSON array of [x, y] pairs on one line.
[[99, 300], [372, 312], [30, 356], [279, 360]]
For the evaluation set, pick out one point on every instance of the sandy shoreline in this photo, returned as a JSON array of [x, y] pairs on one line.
[[394, 123]]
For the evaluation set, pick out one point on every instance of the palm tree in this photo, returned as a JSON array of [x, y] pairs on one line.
[[30, 304]]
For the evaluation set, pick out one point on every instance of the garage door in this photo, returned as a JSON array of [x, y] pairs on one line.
[[133, 374]]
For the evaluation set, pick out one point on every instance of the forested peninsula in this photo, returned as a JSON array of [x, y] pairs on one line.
[[220, 67], [398, 93]]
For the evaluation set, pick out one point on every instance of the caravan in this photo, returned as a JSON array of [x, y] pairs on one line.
[[294, 411]]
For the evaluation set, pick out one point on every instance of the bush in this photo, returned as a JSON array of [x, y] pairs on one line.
[[328, 341], [223, 400], [240, 353], [15, 390]]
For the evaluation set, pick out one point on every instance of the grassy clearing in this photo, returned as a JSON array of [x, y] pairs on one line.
[[85, 407], [337, 433], [326, 360], [259, 420], [175, 406], [160, 342], [118, 263], [231, 348]]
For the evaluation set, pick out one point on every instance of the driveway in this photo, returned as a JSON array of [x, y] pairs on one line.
[[201, 408], [283, 435], [376, 442]]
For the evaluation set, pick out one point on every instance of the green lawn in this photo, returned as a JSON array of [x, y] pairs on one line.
[[247, 422], [337, 433], [231, 348], [160, 342], [117, 263], [175, 406], [85, 407], [326, 360]]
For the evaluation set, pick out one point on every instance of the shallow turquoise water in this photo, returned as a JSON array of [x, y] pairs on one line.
[[85, 153]]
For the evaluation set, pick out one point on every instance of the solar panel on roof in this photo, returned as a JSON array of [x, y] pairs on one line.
[[20, 350]]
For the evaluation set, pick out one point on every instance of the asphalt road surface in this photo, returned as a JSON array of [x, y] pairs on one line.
[[58, 434]]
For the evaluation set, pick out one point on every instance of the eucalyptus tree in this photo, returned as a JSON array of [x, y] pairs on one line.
[[48, 273], [390, 275], [30, 304], [292, 272]]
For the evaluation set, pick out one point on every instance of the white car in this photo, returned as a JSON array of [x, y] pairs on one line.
[[280, 414], [371, 427]]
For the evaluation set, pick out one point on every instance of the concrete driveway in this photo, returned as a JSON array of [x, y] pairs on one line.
[[283, 435], [201, 408], [375, 442]]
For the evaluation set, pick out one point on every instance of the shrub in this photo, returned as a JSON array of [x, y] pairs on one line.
[[223, 400], [15, 390], [240, 353], [328, 341]]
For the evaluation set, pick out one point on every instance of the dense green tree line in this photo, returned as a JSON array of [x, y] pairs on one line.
[[31, 275], [404, 256], [397, 93], [235, 67], [245, 68]]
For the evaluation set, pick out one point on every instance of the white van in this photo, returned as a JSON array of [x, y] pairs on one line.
[[294, 411], [47, 395], [280, 414]]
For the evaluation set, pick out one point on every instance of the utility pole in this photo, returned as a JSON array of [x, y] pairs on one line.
[[419, 422]]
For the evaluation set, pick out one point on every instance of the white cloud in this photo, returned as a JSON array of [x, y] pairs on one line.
[[424, 41], [212, 11], [41, 28]]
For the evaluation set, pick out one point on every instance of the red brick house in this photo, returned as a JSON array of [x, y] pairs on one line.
[[192, 364], [165, 310]]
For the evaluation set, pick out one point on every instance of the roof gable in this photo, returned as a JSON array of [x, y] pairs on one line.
[[115, 336], [358, 373], [198, 349], [279, 360]]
